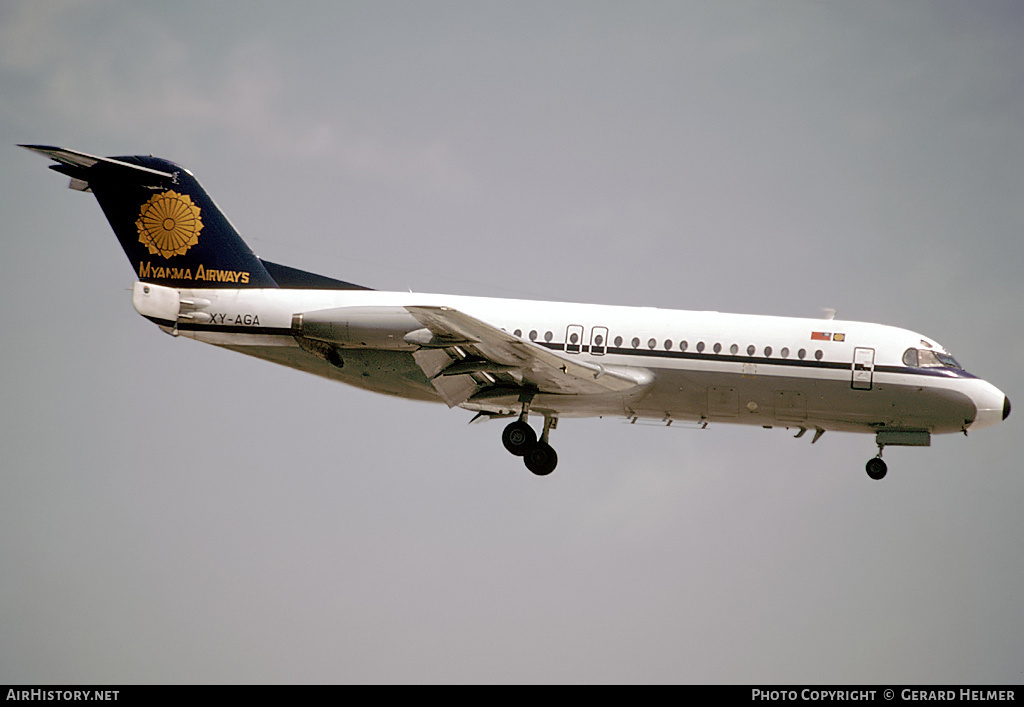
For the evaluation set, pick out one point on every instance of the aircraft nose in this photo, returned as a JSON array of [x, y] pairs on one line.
[[991, 405]]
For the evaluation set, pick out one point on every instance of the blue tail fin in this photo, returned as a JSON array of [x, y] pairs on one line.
[[170, 229]]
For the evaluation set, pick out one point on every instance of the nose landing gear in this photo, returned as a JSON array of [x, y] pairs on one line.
[[877, 468]]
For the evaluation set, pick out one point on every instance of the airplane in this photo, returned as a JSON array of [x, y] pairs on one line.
[[507, 358]]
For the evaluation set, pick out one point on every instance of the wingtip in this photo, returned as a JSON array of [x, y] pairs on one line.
[[45, 150]]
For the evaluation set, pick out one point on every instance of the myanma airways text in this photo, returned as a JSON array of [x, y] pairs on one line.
[[159, 272]]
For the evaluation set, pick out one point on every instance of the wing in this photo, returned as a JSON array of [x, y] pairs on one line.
[[468, 359]]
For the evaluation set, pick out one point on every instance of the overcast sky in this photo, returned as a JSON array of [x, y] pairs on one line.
[[172, 512]]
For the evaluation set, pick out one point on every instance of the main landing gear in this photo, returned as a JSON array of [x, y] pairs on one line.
[[520, 439]]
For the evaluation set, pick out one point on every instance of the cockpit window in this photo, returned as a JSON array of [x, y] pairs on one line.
[[924, 358], [947, 360]]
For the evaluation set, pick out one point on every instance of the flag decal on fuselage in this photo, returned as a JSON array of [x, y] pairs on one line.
[[827, 336]]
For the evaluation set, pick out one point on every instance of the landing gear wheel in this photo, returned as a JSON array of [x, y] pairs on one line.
[[541, 459], [519, 438], [876, 468]]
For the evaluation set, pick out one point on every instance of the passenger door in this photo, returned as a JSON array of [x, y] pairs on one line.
[[863, 368]]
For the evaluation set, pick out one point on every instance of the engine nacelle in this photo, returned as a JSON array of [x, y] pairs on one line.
[[358, 327]]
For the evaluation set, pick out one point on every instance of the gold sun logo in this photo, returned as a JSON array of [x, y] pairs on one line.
[[169, 224]]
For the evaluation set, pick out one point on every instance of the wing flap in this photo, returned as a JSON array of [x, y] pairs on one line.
[[485, 350]]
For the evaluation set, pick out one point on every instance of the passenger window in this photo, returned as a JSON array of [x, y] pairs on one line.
[[618, 341], [635, 342], [751, 350], [683, 345], [548, 336], [767, 351], [651, 343], [668, 344], [718, 347], [734, 349], [802, 354], [818, 354], [533, 335], [518, 332], [700, 347]]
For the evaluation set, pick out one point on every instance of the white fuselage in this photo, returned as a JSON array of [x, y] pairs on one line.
[[703, 366]]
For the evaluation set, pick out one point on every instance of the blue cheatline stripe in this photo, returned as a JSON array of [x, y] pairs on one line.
[[769, 361]]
